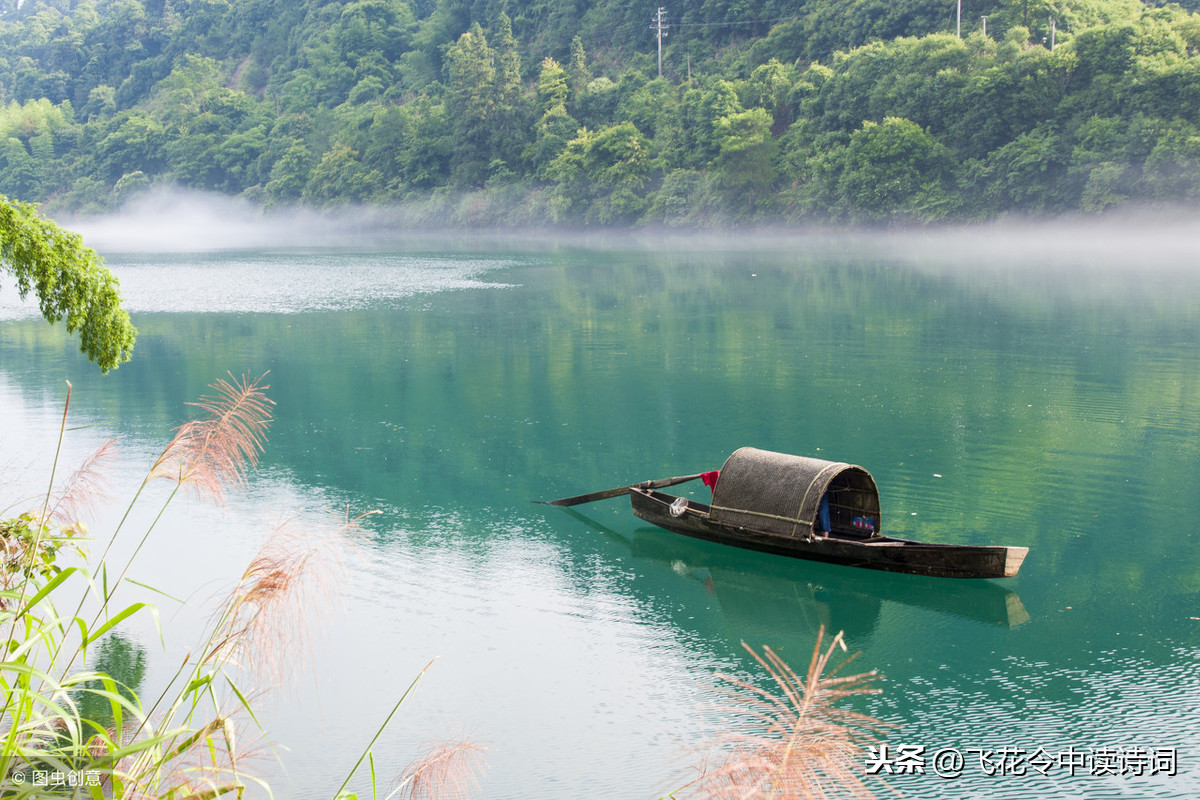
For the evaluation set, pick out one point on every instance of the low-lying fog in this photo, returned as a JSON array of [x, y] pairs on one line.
[[182, 221]]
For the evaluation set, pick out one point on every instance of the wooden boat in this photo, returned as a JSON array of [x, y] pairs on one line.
[[742, 582], [809, 508]]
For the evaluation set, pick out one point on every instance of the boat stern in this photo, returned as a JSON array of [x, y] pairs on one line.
[[1014, 557]]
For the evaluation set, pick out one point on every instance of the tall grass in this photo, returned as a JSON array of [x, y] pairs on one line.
[[185, 744], [194, 739]]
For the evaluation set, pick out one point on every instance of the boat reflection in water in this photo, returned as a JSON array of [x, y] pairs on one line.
[[776, 593], [760, 595]]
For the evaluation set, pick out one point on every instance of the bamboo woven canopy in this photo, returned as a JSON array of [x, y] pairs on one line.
[[781, 494]]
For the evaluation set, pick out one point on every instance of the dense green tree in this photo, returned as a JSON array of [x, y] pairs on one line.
[[1102, 51], [556, 126], [130, 186], [508, 64], [770, 87], [340, 177], [552, 88], [551, 135], [826, 26], [701, 111], [472, 105], [289, 175], [602, 175], [745, 161], [688, 197], [579, 75], [598, 104], [101, 102], [650, 106], [1030, 174], [426, 156], [384, 141], [18, 169], [510, 127], [370, 28], [238, 157], [88, 195], [133, 142], [886, 171], [1172, 168]]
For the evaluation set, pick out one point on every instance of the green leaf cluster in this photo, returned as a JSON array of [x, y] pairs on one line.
[[29, 548], [69, 280]]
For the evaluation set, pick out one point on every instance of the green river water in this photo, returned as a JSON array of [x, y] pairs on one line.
[[1031, 400]]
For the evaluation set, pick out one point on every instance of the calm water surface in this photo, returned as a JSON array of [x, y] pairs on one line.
[[1029, 402]]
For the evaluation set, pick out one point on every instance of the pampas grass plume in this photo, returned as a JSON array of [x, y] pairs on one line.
[[793, 742], [448, 771], [217, 449]]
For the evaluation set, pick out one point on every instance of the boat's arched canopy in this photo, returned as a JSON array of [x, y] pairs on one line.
[[782, 494]]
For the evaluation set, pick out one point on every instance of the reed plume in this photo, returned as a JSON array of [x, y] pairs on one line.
[[793, 742], [286, 590], [448, 771], [217, 450], [87, 486], [209, 452]]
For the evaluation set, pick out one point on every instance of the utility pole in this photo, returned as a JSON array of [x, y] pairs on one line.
[[958, 21], [1052, 27], [984, 18], [657, 25]]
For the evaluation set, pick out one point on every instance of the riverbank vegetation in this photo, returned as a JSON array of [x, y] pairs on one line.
[[530, 113], [73, 731], [75, 719]]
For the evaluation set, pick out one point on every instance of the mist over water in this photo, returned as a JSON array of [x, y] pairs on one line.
[[290, 260], [184, 221], [169, 220]]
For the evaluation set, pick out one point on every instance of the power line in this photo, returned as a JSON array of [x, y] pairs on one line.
[[659, 26], [736, 22]]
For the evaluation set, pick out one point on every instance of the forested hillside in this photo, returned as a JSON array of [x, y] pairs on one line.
[[490, 112]]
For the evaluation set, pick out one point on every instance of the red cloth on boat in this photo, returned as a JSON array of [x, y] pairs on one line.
[[710, 479]]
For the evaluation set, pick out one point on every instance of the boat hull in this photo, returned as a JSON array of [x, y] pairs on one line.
[[879, 552]]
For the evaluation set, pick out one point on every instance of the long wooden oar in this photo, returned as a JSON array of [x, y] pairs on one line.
[[617, 492]]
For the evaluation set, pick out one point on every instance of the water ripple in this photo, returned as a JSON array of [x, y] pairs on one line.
[[281, 283]]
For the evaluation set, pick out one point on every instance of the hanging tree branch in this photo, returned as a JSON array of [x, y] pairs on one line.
[[70, 282]]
